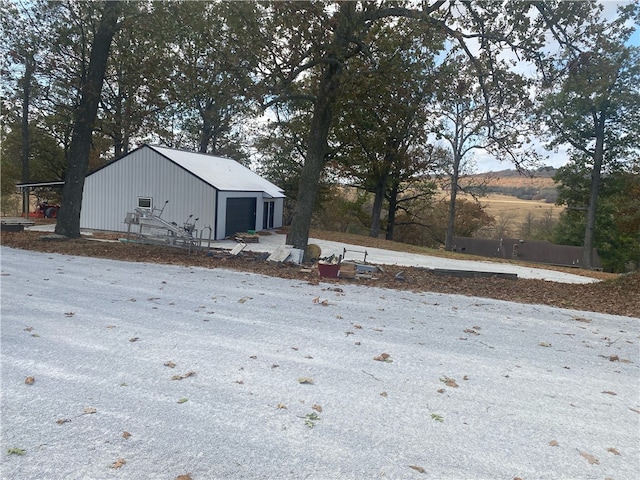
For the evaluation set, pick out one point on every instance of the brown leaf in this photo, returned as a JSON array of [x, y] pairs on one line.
[[472, 332], [590, 458], [613, 450], [305, 380], [134, 339], [383, 394], [614, 358], [126, 435], [554, 443], [582, 319], [544, 344], [317, 408], [609, 392], [118, 463], [449, 382], [466, 377], [186, 476], [417, 468], [169, 364], [316, 300], [282, 406], [183, 376], [440, 390], [29, 380], [60, 421], [357, 326], [69, 314], [28, 329], [89, 410], [383, 357]]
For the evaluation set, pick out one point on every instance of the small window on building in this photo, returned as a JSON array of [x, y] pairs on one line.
[[145, 202]]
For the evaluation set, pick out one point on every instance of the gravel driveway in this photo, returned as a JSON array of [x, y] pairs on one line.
[[148, 371]]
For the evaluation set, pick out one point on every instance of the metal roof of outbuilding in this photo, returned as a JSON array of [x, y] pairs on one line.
[[222, 173]]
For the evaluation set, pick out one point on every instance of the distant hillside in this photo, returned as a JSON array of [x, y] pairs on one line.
[[536, 185]]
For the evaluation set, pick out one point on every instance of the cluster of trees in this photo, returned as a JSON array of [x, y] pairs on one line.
[[391, 97]]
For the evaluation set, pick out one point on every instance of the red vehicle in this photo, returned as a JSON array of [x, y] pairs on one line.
[[47, 210]]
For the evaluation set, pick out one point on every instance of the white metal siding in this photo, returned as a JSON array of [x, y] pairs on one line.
[[114, 190]]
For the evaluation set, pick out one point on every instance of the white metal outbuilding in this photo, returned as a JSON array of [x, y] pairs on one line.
[[220, 192]]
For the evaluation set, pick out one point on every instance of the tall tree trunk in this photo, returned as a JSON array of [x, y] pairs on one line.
[[455, 176], [393, 206], [378, 200], [207, 127], [320, 125], [68, 223], [29, 66], [596, 174]]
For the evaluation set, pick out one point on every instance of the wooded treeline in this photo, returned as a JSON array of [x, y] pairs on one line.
[[392, 98]]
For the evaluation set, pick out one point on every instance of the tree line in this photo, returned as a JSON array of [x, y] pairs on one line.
[[392, 98]]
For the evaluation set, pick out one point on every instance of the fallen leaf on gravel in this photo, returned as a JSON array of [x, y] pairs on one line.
[[544, 344], [16, 451], [134, 339], [613, 450], [316, 300], [186, 476], [609, 392], [118, 463], [282, 406], [317, 408], [449, 382], [183, 376], [306, 380], [590, 458], [126, 435], [89, 410], [357, 326], [69, 314], [472, 332], [383, 394], [244, 299], [582, 319], [383, 357], [169, 364], [60, 421], [28, 329], [554, 443], [437, 418], [466, 377], [440, 390], [634, 410], [417, 468], [183, 400], [614, 358], [111, 326], [29, 380]]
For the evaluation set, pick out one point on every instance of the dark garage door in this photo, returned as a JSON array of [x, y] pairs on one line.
[[241, 215]]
